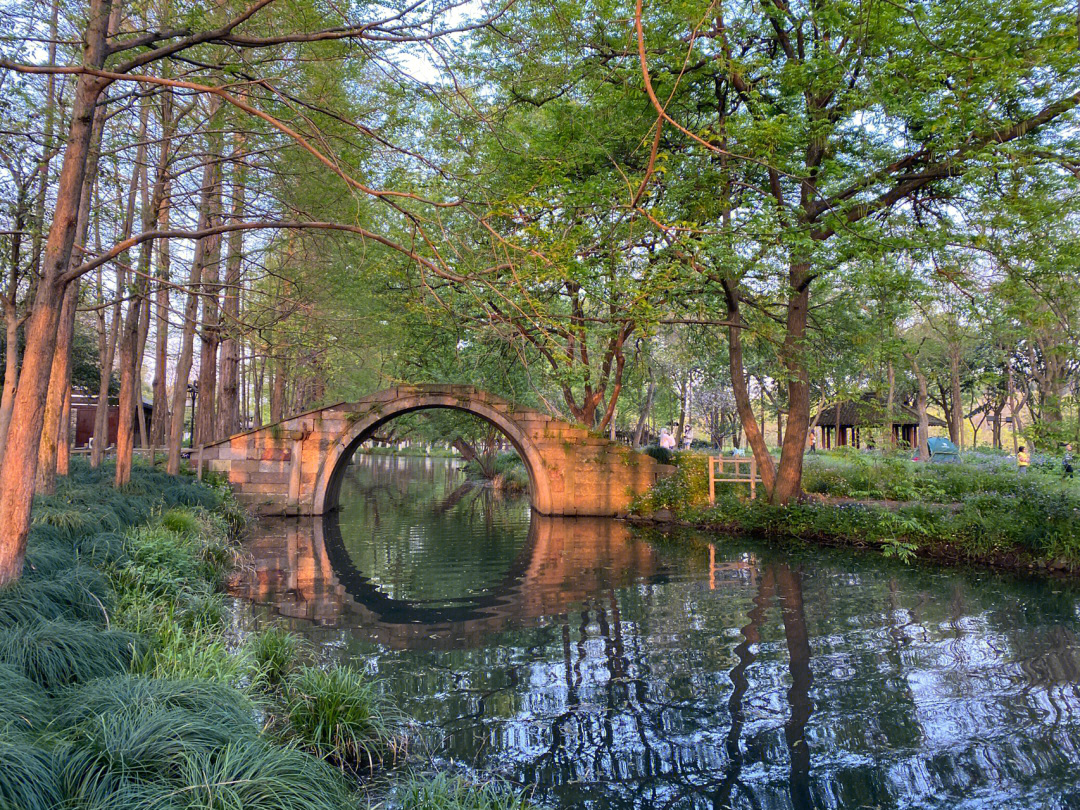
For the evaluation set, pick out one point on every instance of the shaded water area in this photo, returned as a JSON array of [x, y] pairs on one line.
[[611, 669]]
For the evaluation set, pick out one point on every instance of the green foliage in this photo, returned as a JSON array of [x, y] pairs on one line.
[[214, 701], [27, 777], [274, 653], [250, 773], [77, 728], [342, 716], [23, 703], [445, 792], [79, 593], [59, 653], [969, 508]]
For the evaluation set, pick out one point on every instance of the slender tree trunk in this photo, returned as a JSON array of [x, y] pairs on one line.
[[257, 410], [229, 401], [108, 358], [277, 392], [890, 403], [11, 370], [209, 333], [920, 407], [19, 469], [187, 339], [1015, 413], [643, 419], [956, 414], [159, 419]]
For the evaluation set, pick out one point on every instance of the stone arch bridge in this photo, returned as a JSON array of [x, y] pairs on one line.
[[294, 467]]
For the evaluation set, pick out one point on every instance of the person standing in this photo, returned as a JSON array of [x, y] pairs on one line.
[[667, 441], [1022, 459], [813, 442], [1067, 461]]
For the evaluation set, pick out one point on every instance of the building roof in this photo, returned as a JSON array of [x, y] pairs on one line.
[[870, 410]]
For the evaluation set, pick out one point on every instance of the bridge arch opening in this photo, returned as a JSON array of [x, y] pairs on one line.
[[332, 471]]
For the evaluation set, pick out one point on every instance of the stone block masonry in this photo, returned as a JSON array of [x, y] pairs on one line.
[[294, 467]]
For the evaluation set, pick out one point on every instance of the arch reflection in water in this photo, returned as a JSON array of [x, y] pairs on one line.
[[613, 672]]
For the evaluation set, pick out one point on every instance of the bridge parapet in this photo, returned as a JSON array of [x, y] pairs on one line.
[[294, 466]]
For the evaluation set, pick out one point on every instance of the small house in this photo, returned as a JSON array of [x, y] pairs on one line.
[[84, 410]]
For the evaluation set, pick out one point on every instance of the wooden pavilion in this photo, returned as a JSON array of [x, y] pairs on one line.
[[842, 424]]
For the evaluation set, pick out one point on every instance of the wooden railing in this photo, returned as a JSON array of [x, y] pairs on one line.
[[719, 474]]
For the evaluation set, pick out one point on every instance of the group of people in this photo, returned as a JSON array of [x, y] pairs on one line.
[[1023, 460], [667, 439]]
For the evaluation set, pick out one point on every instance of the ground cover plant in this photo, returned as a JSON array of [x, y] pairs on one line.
[[974, 510], [120, 686]]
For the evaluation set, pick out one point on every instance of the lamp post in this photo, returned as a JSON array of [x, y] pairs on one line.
[[193, 391]]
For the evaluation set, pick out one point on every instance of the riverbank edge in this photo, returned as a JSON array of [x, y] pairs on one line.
[[934, 550], [170, 546]]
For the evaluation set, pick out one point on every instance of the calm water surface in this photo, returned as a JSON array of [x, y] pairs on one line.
[[611, 670]]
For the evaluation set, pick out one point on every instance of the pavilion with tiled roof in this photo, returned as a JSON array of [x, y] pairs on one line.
[[842, 424]]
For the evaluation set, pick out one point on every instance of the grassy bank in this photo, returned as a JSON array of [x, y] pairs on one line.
[[123, 685], [981, 510]]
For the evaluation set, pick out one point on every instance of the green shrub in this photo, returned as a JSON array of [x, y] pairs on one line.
[[342, 716]]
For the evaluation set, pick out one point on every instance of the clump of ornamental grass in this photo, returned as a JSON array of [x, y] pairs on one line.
[[79, 593], [217, 703], [181, 521], [87, 782], [23, 703], [342, 716], [151, 742], [58, 653], [275, 653], [250, 773], [181, 651], [445, 792], [28, 778]]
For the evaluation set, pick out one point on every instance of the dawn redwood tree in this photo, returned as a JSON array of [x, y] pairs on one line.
[[120, 48]]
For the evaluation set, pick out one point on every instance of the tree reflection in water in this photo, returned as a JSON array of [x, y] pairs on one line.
[[614, 671]]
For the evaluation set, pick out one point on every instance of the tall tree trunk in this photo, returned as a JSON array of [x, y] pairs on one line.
[[956, 413], [766, 466], [209, 331], [789, 473], [1015, 413], [138, 321], [277, 392], [228, 421], [920, 407], [890, 403], [125, 423], [639, 430], [54, 430], [187, 338], [257, 394], [108, 357], [159, 418], [19, 470]]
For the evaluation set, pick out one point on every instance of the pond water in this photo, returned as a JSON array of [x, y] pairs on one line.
[[610, 669]]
